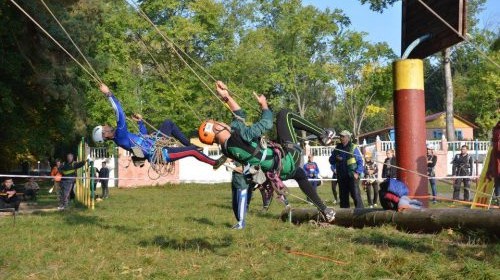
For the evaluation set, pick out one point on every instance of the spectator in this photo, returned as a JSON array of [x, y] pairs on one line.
[[104, 179], [347, 160], [334, 184], [30, 189], [56, 175], [389, 171], [8, 195], [312, 172], [462, 167], [431, 163], [370, 183], [68, 169], [493, 172], [394, 196]]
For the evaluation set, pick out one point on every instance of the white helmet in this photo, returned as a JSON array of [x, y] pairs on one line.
[[97, 134]]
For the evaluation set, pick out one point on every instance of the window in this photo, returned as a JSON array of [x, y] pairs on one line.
[[459, 135], [437, 134]]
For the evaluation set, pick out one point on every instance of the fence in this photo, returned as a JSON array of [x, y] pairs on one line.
[[84, 190]]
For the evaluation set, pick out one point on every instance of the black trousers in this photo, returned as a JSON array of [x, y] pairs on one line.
[[349, 186], [12, 202], [287, 123]]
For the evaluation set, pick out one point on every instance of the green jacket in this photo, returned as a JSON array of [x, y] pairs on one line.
[[243, 145]]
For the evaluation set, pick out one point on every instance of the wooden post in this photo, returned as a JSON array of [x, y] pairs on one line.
[[409, 120]]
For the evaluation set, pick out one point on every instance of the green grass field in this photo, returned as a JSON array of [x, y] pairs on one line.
[[183, 232]]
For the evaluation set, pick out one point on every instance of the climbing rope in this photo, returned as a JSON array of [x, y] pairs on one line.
[[95, 78], [459, 34], [177, 50], [73, 42]]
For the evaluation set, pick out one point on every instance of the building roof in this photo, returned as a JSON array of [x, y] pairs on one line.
[[428, 118], [435, 116]]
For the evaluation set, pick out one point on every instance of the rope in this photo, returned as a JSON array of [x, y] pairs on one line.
[[458, 33], [164, 74], [55, 41], [73, 42], [453, 200], [316, 257], [176, 50]]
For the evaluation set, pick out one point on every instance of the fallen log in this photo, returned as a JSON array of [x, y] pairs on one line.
[[423, 220]]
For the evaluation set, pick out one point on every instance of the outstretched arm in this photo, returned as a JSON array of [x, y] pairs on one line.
[[221, 89], [121, 124], [142, 128]]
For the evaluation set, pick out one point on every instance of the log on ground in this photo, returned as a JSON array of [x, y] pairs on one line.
[[422, 220]]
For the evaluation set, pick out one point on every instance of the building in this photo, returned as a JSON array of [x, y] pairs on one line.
[[436, 128]]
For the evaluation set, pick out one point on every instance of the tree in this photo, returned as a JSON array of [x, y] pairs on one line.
[[360, 76]]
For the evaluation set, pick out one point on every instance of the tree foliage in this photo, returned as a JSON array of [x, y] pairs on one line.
[[302, 58]]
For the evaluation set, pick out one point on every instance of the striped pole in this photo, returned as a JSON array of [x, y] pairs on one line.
[[409, 120]]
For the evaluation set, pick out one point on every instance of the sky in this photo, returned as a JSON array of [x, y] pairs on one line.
[[386, 27]]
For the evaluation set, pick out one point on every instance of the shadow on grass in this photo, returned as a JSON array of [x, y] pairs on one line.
[[203, 221], [220, 205], [73, 218], [382, 240], [195, 244]]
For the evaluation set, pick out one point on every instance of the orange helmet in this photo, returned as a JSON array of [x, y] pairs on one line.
[[206, 132]]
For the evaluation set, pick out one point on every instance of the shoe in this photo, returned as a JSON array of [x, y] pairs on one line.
[[238, 226], [329, 215], [327, 137], [334, 202], [371, 206], [60, 208], [219, 162]]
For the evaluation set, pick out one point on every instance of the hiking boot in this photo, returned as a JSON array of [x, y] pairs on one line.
[[327, 137], [329, 215], [219, 162]]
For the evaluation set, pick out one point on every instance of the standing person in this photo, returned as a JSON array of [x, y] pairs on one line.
[[493, 172], [462, 166], [371, 184], [334, 184], [348, 162], [56, 176], [389, 171], [68, 170], [242, 145], [312, 172], [431, 163], [8, 195], [241, 189], [30, 189], [104, 179]]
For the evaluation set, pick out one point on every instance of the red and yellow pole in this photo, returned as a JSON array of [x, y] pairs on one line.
[[409, 120]]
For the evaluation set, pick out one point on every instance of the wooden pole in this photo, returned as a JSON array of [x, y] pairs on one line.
[[423, 220]]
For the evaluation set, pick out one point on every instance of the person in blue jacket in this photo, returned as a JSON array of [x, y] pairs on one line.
[[142, 144], [312, 172], [346, 158]]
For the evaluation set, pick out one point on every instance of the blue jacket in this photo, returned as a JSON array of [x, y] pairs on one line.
[[311, 169], [344, 154], [126, 139]]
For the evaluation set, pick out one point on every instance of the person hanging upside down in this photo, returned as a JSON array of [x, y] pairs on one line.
[[243, 145], [141, 144]]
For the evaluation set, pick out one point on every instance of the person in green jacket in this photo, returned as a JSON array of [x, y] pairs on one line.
[[243, 144]]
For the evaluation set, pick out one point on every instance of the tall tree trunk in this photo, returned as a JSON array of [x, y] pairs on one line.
[[450, 128]]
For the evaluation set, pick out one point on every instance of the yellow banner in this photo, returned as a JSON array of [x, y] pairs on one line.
[[484, 191]]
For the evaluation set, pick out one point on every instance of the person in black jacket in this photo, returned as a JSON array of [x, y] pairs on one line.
[[389, 171], [68, 170], [462, 166], [103, 179], [431, 163], [8, 195]]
